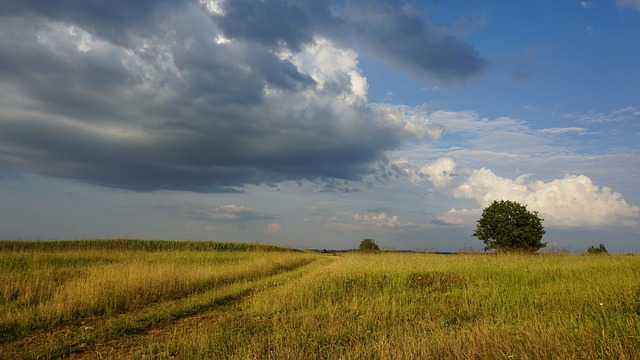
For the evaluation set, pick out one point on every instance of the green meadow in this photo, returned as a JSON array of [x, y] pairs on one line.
[[134, 299]]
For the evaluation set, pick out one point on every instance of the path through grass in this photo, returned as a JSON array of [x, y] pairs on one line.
[[58, 301], [274, 305]]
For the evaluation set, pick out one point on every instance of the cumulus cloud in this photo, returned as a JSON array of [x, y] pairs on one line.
[[439, 172], [208, 96], [382, 219], [573, 201], [348, 221]]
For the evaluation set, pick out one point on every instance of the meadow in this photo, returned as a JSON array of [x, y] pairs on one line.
[[127, 299]]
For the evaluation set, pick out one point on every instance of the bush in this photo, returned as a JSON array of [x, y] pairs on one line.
[[600, 250], [369, 245], [508, 226]]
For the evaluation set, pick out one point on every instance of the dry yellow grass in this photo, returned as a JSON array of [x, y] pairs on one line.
[[239, 305], [45, 289], [404, 306]]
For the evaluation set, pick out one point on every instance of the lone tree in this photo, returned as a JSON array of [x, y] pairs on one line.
[[369, 245], [508, 226]]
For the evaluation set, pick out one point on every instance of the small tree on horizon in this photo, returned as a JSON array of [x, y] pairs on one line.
[[369, 245], [508, 226], [600, 250]]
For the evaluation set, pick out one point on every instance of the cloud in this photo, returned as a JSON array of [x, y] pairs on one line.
[[472, 122], [439, 172], [631, 4], [500, 139], [573, 201], [397, 33], [458, 217], [468, 24], [381, 219], [402, 36], [271, 23], [224, 213], [178, 95], [273, 228], [625, 114], [466, 168], [562, 131], [376, 219], [586, 4]]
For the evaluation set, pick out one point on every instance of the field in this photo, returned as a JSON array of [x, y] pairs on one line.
[[202, 300]]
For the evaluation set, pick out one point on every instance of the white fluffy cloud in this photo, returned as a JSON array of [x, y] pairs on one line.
[[415, 122], [573, 201], [341, 86], [330, 66], [348, 221], [439, 172], [381, 219]]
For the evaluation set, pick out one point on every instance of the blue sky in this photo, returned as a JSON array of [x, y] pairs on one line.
[[316, 124]]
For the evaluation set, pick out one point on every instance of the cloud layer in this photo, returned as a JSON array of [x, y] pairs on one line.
[[208, 96]]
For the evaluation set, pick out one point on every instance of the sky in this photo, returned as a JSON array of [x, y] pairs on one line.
[[316, 124]]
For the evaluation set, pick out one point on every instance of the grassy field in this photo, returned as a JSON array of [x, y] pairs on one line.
[[199, 300]]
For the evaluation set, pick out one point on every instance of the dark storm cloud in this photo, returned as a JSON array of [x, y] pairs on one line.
[[146, 95], [111, 19], [267, 22], [391, 30], [400, 35]]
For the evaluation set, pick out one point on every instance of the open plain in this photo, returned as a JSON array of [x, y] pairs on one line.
[[134, 299]]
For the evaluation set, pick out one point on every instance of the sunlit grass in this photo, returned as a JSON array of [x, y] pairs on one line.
[[246, 304], [41, 289], [432, 306]]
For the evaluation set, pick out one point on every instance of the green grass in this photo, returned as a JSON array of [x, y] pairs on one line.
[[203, 304], [136, 245]]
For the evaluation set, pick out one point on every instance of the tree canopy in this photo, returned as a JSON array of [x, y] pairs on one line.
[[508, 226], [597, 250], [369, 245]]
